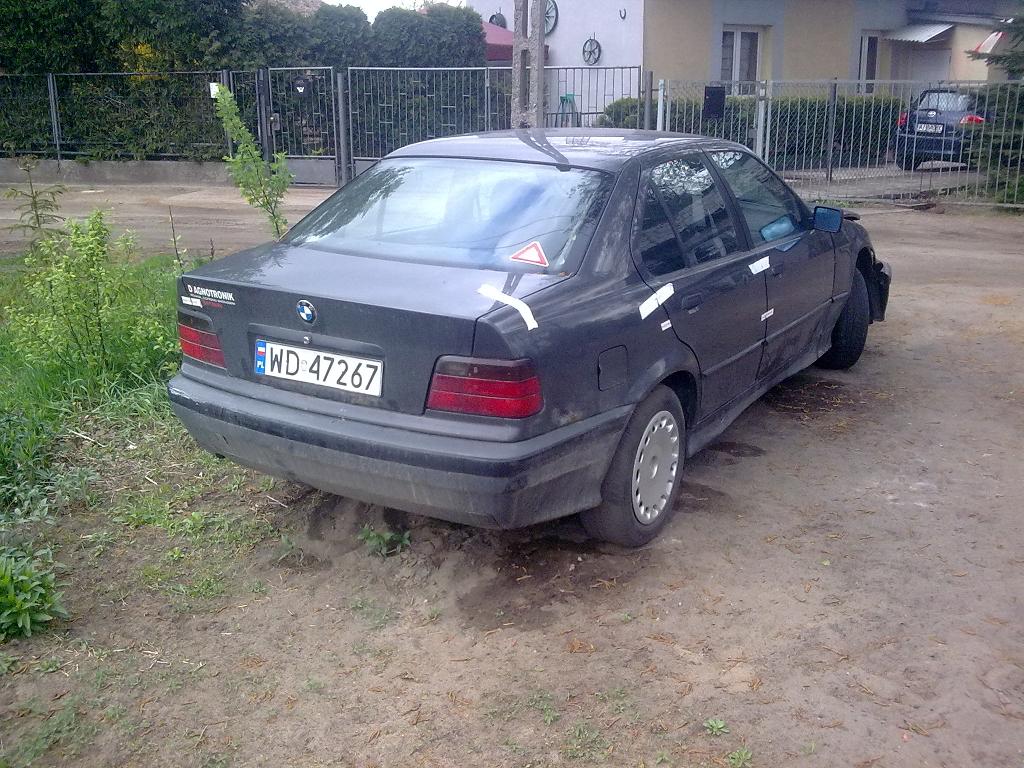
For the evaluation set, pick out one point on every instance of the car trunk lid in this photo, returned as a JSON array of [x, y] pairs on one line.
[[403, 315]]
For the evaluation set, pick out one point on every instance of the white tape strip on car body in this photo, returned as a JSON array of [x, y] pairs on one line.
[[666, 325], [659, 297], [767, 314], [520, 306], [760, 265], [191, 301]]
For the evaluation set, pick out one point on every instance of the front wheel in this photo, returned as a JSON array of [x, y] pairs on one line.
[[640, 489], [850, 333]]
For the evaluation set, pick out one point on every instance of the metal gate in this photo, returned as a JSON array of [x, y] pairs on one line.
[[294, 110], [390, 107]]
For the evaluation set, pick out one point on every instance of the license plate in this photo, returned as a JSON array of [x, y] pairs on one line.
[[929, 128], [311, 366]]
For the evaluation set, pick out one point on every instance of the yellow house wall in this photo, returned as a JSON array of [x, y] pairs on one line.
[[677, 38], [815, 45], [967, 37]]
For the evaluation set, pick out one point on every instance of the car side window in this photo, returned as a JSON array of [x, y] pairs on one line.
[[685, 201], [657, 242], [771, 210]]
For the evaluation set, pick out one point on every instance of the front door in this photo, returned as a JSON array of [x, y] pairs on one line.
[[799, 261], [688, 239]]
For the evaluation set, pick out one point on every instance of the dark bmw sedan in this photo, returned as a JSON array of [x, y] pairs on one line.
[[508, 328]]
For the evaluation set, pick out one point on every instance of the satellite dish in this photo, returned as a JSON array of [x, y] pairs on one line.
[[498, 20]]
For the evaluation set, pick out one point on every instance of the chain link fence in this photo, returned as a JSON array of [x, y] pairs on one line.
[[857, 140]]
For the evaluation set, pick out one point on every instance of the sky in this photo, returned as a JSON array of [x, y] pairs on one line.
[[373, 7]]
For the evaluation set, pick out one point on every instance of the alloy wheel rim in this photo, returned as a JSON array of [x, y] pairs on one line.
[[655, 467]]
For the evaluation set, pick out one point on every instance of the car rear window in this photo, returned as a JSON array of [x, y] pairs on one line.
[[946, 101], [472, 213]]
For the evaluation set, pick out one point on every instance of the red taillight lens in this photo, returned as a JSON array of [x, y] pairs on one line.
[[507, 389], [972, 120], [198, 343], [904, 117]]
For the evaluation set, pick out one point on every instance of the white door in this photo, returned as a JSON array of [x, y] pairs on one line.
[[930, 63]]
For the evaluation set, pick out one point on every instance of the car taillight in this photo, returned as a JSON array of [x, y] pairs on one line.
[[505, 388], [904, 117], [972, 120], [198, 341]]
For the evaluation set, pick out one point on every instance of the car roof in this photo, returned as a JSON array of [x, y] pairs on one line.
[[606, 149]]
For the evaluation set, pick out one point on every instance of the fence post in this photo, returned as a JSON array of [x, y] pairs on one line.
[[263, 113], [768, 123], [759, 124], [225, 82], [344, 169], [833, 98], [487, 98], [661, 106], [648, 97], [51, 89]]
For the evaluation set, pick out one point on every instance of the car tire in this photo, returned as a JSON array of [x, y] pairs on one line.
[[642, 483], [851, 330]]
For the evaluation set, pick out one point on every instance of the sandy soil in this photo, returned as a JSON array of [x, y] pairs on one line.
[[842, 585]]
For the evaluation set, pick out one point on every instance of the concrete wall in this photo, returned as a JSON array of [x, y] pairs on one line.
[[101, 172]]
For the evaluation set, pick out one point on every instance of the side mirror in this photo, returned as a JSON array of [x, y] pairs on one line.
[[827, 219]]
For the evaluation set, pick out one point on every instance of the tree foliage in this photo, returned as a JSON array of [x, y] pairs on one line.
[[161, 35], [263, 185]]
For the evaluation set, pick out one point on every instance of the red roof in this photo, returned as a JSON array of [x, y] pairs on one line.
[[499, 42]]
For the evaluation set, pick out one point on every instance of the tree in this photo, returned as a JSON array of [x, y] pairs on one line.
[[440, 36], [1011, 59], [340, 37], [49, 36], [269, 35], [168, 34]]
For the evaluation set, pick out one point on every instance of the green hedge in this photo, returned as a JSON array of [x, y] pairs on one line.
[[799, 126]]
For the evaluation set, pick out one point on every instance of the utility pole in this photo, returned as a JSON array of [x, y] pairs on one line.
[[528, 64]]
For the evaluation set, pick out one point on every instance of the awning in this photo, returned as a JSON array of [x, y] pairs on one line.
[[989, 43], [918, 33]]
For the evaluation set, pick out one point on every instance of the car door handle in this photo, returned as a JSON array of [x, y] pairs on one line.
[[692, 302]]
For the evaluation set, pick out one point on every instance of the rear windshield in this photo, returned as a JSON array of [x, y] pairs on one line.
[[472, 213], [946, 101]]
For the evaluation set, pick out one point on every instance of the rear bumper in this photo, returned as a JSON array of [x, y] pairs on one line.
[[947, 147], [482, 483]]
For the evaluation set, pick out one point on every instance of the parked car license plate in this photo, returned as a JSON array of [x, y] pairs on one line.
[[929, 128], [311, 366]]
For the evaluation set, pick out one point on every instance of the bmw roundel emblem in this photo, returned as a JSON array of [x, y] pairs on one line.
[[306, 311]]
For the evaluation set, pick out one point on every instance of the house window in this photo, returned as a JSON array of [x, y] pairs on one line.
[[741, 50], [868, 60]]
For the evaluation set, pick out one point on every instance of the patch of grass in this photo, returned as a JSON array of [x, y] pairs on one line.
[[64, 728], [377, 616], [617, 700], [7, 662], [384, 543], [542, 701], [663, 758], [312, 685], [585, 742], [740, 758], [715, 727]]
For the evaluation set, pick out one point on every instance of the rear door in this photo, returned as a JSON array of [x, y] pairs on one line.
[[799, 262], [688, 238]]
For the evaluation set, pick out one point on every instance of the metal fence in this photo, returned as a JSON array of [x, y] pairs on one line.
[[391, 107], [832, 140], [868, 140]]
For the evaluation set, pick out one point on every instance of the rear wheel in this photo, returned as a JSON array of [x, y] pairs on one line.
[[640, 489], [851, 329]]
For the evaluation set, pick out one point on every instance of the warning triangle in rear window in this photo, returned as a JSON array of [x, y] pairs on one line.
[[531, 254]]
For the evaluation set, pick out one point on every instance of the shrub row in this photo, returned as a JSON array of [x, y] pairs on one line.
[[800, 126]]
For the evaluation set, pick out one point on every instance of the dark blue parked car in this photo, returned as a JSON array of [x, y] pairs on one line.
[[512, 327], [937, 127]]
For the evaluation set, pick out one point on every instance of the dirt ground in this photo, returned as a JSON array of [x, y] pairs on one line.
[[841, 585]]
